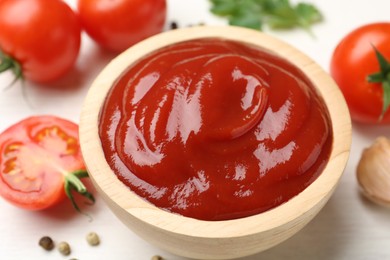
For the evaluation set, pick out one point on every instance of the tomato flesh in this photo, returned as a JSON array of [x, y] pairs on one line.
[[35, 155]]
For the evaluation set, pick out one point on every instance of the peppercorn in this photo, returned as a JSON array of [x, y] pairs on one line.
[[157, 257], [174, 25], [46, 243], [93, 239], [64, 248]]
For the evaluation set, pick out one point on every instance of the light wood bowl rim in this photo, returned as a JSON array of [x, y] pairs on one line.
[[116, 192]]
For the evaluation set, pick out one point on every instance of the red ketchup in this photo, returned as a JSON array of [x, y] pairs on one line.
[[215, 129]]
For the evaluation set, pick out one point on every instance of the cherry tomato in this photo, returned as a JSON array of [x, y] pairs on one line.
[[118, 24], [353, 61], [41, 162], [39, 38]]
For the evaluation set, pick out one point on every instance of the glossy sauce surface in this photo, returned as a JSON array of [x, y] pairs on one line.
[[215, 129]]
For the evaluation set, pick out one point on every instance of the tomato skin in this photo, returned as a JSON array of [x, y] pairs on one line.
[[33, 161], [44, 36], [352, 61], [118, 24]]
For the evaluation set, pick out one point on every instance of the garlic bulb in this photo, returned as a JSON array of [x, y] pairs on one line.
[[373, 171]]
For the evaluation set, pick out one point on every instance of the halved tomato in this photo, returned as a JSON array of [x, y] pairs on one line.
[[41, 163]]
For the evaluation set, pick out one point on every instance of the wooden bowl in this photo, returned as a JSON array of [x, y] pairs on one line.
[[214, 239]]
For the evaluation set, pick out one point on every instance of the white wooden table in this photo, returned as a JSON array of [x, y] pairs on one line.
[[349, 227]]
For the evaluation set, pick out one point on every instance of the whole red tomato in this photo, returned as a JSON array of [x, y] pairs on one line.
[[41, 162], [118, 24], [353, 61], [40, 39]]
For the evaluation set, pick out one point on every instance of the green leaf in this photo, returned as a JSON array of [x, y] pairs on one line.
[[223, 8], [283, 10], [274, 6], [308, 13], [248, 21], [276, 22], [277, 14]]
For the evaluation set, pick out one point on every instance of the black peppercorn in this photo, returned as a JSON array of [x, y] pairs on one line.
[[46, 243]]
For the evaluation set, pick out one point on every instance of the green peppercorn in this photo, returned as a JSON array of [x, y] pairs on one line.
[[64, 248], [46, 243]]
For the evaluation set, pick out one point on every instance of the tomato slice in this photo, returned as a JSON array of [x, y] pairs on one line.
[[38, 156]]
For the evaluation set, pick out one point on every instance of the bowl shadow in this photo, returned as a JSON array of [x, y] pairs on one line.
[[315, 241], [370, 132]]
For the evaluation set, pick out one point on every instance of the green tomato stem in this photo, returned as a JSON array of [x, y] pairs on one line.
[[382, 77], [73, 183], [9, 63]]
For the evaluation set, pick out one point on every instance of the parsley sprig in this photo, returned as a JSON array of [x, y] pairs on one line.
[[277, 14]]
